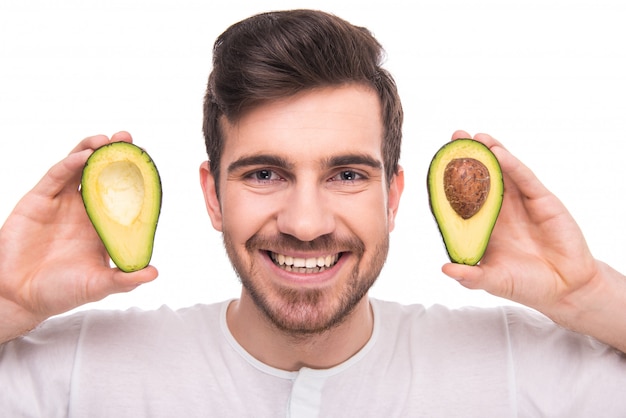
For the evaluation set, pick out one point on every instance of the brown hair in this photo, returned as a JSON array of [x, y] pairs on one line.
[[278, 54]]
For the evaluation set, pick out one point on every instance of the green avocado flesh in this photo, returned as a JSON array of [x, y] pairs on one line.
[[465, 191], [121, 190]]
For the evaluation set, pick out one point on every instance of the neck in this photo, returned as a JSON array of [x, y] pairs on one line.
[[288, 351]]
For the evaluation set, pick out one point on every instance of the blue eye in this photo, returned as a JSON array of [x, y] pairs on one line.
[[263, 175], [347, 175]]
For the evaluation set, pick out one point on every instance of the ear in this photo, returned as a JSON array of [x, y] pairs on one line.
[[393, 200], [211, 200]]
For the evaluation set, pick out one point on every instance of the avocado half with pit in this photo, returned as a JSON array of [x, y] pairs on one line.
[[121, 190], [465, 190]]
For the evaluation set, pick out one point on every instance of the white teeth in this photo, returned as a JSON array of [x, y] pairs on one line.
[[304, 265]]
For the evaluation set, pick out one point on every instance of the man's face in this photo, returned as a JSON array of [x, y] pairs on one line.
[[304, 206]]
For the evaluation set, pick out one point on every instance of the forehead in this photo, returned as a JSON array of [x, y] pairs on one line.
[[311, 124]]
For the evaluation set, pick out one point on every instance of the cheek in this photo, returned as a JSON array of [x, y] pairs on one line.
[[245, 215], [367, 217]]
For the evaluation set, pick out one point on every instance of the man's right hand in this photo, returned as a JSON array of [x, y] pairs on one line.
[[51, 258]]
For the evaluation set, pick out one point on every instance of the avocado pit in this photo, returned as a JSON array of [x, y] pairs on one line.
[[466, 185]]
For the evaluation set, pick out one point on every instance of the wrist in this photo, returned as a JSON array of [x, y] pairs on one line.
[[15, 321], [596, 309]]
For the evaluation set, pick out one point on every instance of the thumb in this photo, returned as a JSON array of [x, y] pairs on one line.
[[497, 282], [120, 282], [470, 277]]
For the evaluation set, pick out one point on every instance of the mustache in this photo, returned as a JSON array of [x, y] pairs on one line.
[[282, 243]]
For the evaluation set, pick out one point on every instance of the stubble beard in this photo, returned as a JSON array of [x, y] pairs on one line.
[[305, 312]]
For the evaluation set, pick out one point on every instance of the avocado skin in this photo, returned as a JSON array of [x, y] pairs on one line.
[[465, 239], [128, 236]]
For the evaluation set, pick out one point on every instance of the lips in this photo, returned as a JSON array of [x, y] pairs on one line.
[[304, 265]]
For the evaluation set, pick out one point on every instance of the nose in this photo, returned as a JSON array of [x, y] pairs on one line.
[[306, 213]]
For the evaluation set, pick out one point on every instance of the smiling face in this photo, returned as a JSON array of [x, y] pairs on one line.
[[304, 205]]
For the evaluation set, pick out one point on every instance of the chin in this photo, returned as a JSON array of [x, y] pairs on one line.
[[307, 311]]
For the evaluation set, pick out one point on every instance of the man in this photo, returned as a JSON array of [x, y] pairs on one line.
[[303, 129]]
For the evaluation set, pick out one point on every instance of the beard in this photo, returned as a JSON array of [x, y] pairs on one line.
[[301, 312]]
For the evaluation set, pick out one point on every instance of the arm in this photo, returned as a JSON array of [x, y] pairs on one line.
[[51, 259], [537, 256]]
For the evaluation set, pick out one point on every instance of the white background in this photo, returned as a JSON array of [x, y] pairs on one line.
[[547, 78]]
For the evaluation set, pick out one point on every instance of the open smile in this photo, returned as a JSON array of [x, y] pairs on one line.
[[304, 265]]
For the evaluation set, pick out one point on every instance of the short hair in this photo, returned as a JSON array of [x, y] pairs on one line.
[[275, 55]]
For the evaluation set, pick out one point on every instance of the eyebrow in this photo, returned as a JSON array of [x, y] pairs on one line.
[[353, 159], [276, 161], [262, 159]]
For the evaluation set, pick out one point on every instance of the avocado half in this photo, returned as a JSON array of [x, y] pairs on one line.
[[465, 190], [121, 191]]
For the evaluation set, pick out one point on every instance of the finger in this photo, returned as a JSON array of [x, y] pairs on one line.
[[488, 140], [122, 281], [462, 273], [460, 134], [121, 136], [91, 142], [519, 174], [96, 141], [478, 277], [117, 281], [64, 175]]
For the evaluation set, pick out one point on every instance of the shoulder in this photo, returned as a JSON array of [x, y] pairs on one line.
[[136, 316], [146, 325], [436, 318], [536, 339], [468, 335], [512, 319], [559, 372], [425, 345], [96, 327], [525, 330]]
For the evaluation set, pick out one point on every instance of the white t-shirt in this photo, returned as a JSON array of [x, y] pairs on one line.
[[419, 362]]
